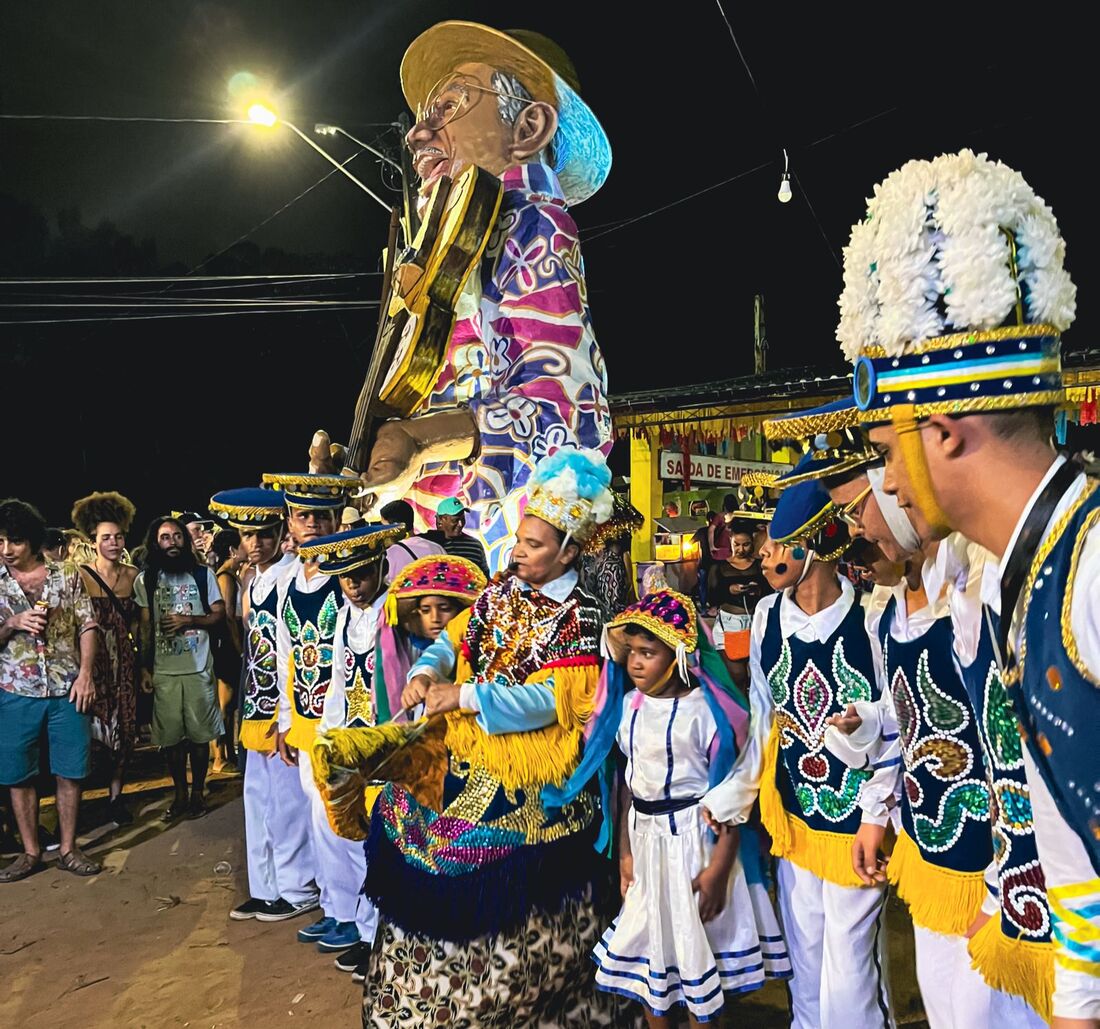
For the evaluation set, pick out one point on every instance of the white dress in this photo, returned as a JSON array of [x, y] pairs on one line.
[[658, 951]]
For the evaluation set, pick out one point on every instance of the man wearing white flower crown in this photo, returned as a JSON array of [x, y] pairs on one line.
[[522, 374], [954, 303]]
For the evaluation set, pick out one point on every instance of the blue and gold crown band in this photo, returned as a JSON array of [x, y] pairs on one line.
[[344, 552], [994, 370], [313, 491], [248, 509], [830, 437]]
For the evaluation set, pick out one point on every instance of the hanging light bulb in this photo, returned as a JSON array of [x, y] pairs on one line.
[[784, 193]]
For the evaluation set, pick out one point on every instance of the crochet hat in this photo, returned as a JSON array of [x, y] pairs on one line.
[[346, 551], [569, 490], [667, 615], [309, 490], [955, 298], [581, 150], [440, 575], [248, 509]]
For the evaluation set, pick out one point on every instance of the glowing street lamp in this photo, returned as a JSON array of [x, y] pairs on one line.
[[261, 115]]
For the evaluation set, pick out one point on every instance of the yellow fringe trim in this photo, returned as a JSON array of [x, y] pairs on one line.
[[254, 735], [517, 759], [827, 854], [524, 759], [939, 899], [1019, 967], [303, 731]]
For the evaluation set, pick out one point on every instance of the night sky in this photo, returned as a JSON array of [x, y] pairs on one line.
[[169, 410]]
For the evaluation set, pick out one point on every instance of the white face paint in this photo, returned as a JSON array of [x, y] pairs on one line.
[[896, 519]]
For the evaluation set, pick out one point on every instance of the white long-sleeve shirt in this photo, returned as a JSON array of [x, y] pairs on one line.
[[732, 800]]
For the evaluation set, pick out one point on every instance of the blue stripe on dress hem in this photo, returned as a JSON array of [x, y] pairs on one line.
[[641, 959], [680, 983], [886, 764], [889, 737], [629, 994]]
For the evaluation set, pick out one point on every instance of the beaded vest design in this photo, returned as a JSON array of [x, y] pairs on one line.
[[358, 685], [809, 682], [946, 800], [311, 620], [514, 632], [1025, 912], [261, 675]]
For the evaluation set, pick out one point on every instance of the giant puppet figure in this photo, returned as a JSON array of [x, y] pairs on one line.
[[519, 374]]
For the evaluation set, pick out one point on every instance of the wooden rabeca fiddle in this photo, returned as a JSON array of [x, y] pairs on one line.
[[418, 304]]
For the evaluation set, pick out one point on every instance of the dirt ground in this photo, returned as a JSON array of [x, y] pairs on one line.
[[148, 944]]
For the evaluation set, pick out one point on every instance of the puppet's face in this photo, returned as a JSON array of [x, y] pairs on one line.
[[459, 125]]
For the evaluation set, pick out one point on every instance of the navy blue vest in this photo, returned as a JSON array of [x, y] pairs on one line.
[[311, 619], [1057, 700], [261, 675], [1023, 893], [945, 806], [809, 682], [358, 685]]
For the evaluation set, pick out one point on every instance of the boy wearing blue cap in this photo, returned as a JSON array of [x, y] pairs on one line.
[[354, 558], [276, 812], [307, 603], [809, 658]]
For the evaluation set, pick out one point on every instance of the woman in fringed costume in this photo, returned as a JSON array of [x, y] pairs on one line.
[[484, 838]]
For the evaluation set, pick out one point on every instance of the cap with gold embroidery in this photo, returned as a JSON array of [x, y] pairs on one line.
[[309, 490], [346, 551]]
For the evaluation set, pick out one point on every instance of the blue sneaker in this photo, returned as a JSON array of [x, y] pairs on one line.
[[312, 933], [340, 937]]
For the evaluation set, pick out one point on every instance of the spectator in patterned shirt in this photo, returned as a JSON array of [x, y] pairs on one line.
[[47, 649]]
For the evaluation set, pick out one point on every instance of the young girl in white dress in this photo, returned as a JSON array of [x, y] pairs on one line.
[[696, 924]]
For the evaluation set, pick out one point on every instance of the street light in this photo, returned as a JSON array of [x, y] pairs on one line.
[[261, 114], [333, 130]]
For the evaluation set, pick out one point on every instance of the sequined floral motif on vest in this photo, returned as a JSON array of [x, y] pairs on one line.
[[947, 798], [810, 682], [261, 684], [311, 644]]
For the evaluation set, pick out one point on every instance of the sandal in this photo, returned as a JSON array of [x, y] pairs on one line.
[[197, 809], [78, 863], [20, 868]]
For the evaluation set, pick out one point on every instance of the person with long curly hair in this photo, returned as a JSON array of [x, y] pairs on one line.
[[105, 518]]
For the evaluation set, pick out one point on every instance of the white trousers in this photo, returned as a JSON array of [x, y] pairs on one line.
[[341, 864], [278, 838], [1007, 1011], [836, 940], [955, 996]]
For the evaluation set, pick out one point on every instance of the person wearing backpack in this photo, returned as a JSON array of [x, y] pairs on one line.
[[180, 603]]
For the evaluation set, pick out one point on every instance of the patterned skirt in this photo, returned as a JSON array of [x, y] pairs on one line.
[[537, 977]]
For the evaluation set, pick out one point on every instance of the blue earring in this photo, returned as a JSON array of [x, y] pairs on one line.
[[798, 553]]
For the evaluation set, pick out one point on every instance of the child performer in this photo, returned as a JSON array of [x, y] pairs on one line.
[[696, 924], [423, 598], [354, 557]]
